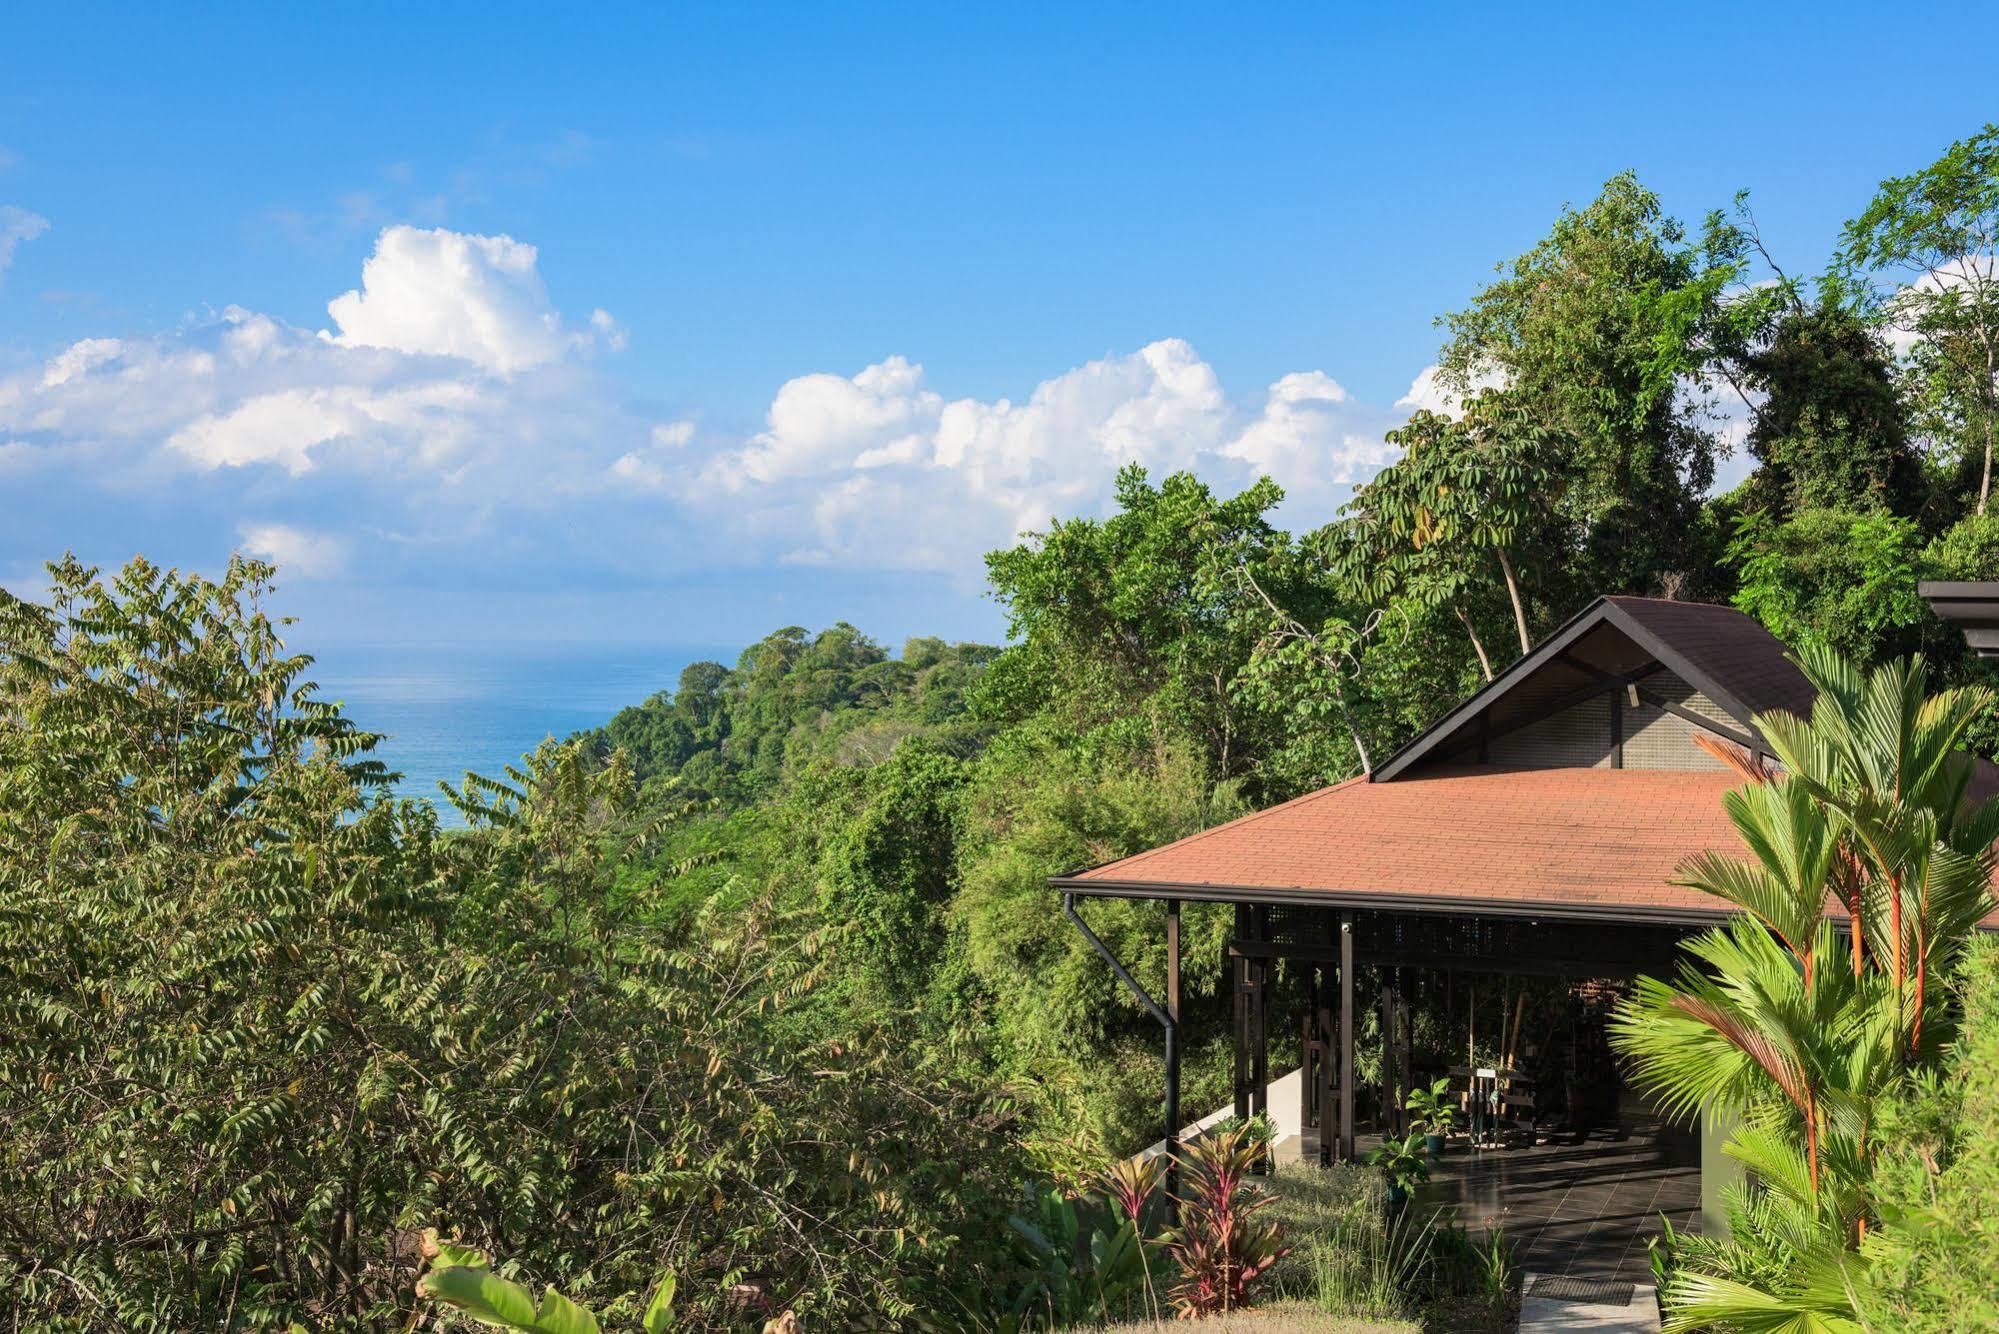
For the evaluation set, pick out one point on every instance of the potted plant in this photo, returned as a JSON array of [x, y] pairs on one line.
[[1402, 1162], [1434, 1114]]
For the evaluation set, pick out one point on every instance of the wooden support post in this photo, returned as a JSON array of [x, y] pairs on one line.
[[1385, 1016], [1259, 1011], [1617, 729], [1239, 977], [1260, 1019], [1328, 1071], [1405, 986], [1308, 1071], [1346, 1038], [1172, 1049]]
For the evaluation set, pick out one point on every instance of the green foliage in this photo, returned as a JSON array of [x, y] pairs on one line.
[[794, 699], [1842, 579], [1401, 1161], [463, 1279], [1434, 1110], [1084, 1262], [1446, 524], [1599, 329], [1830, 432], [263, 1027], [1222, 1245], [1055, 1014], [1812, 1039], [1133, 626], [1932, 1270], [890, 869], [1923, 259]]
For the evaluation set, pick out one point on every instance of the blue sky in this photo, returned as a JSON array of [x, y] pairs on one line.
[[681, 324]]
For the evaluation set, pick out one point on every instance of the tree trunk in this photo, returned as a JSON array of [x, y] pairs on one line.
[[1519, 612], [1985, 478], [1346, 716], [1477, 645]]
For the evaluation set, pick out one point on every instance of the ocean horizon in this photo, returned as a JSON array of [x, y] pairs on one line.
[[446, 708]]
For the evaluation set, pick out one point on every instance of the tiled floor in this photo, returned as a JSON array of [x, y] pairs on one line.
[[1582, 1209]]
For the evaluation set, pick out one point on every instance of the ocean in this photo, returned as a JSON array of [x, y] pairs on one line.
[[449, 708]]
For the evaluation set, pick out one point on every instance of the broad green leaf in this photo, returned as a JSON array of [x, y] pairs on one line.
[[483, 1296], [659, 1312]]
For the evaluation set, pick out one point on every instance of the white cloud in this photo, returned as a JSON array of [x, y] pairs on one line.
[[17, 226], [453, 402], [880, 469], [1306, 437], [450, 294], [299, 552], [1428, 392], [450, 367], [652, 468]]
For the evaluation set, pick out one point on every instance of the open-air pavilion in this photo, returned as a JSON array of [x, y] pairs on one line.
[[1526, 842]]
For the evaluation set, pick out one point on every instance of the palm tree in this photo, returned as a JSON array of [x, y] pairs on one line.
[[1865, 811], [1884, 758]]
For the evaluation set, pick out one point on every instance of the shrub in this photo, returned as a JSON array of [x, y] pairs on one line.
[[1932, 1268], [264, 1025], [1223, 1249]]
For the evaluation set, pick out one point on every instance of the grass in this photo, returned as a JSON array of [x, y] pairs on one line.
[[1277, 1318], [1349, 1258], [1360, 1267]]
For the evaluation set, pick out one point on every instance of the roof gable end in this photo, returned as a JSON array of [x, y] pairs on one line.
[[1719, 651]]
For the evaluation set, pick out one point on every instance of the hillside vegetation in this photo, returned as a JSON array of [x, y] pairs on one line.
[[762, 983]]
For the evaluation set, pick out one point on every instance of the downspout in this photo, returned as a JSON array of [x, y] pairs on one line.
[[1172, 1029]]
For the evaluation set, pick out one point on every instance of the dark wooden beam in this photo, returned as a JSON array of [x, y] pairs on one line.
[[1173, 1049], [1701, 721], [1259, 1050], [1346, 1038], [1617, 729], [1608, 963]]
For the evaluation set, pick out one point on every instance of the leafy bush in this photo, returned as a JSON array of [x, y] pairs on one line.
[[1932, 1269], [265, 1025], [1222, 1248]]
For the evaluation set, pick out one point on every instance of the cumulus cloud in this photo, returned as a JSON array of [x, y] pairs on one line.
[[1428, 392], [452, 401], [448, 363], [879, 468], [450, 294], [1307, 436], [300, 552], [17, 226]]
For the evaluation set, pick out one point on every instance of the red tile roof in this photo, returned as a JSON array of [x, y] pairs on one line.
[[1570, 841]]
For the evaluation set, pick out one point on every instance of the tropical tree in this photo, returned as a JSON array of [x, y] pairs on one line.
[[265, 1023], [1923, 258], [1827, 426], [1779, 1020], [1451, 519], [1606, 329]]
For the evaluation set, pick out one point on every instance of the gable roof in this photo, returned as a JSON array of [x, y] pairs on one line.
[[1577, 843], [1554, 843], [1719, 651]]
